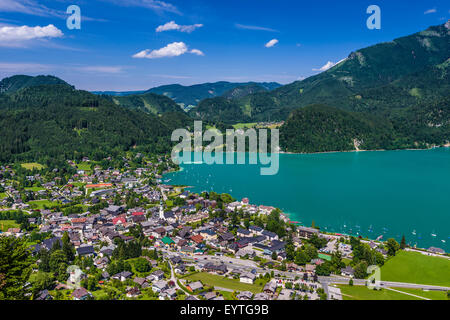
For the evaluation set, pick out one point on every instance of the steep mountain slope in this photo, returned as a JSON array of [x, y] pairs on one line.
[[58, 122], [319, 128], [243, 91], [149, 102], [389, 68], [15, 83]]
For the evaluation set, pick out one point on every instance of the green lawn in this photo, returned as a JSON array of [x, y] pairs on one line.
[[6, 224], [32, 165], [41, 204], [222, 282], [2, 195], [227, 295], [363, 293], [86, 166], [34, 189], [413, 267], [244, 125], [433, 295]]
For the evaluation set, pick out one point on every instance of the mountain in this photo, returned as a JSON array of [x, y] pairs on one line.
[[149, 102], [191, 95], [320, 128], [404, 72], [15, 83], [117, 93], [56, 121], [245, 90]]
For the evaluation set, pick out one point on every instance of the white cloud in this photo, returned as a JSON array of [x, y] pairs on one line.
[[271, 43], [23, 67], [174, 49], [430, 11], [102, 69], [30, 7], [156, 5], [173, 26], [329, 65], [257, 28], [24, 33], [197, 52], [31, 67]]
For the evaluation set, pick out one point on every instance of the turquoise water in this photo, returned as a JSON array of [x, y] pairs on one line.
[[372, 194]]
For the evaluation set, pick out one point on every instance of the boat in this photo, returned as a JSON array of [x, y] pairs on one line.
[[433, 235], [414, 232]]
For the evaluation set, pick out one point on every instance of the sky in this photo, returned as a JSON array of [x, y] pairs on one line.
[[127, 45]]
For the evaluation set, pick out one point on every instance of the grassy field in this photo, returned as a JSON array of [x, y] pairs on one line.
[[41, 204], [6, 224], [34, 189], [32, 165], [2, 195], [414, 267], [222, 282], [86, 166], [433, 295], [244, 125], [363, 293]]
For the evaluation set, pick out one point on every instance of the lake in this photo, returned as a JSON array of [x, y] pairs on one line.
[[372, 194]]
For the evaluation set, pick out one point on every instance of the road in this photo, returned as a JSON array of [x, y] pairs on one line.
[[386, 284], [248, 265]]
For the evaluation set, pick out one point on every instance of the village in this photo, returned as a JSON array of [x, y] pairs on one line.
[[117, 233]]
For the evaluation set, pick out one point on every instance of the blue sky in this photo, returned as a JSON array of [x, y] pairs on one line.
[[119, 48]]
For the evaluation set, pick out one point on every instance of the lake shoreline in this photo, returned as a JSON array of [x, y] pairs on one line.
[[374, 150], [291, 215]]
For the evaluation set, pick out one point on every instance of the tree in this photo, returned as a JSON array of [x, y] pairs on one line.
[[44, 257], [15, 268], [43, 280], [336, 262], [403, 243], [392, 246], [67, 247], [361, 270], [56, 259], [324, 269], [142, 265], [274, 256]]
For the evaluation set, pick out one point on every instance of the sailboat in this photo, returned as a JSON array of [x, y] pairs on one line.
[[434, 235], [414, 232]]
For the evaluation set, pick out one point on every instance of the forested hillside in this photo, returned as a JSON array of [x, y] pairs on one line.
[[59, 122], [149, 102], [408, 71]]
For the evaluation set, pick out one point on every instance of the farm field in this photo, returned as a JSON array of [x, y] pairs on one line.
[[41, 204], [363, 293], [32, 165], [414, 267]]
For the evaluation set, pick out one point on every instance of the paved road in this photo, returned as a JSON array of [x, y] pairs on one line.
[[248, 265], [358, 282]]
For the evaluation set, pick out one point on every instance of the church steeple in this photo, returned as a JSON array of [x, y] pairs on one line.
[[161, 210]]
